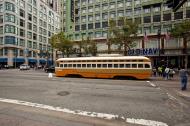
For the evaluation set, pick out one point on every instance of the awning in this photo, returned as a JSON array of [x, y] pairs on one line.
[[42, 61], [3, 59], [22, 60], [32, 60]]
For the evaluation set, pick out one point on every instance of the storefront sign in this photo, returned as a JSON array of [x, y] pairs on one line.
[[144, 52]]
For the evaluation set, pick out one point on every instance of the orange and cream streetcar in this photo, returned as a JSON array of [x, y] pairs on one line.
[[137, 67]]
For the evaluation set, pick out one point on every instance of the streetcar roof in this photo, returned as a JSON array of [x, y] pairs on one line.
[[105, 58]]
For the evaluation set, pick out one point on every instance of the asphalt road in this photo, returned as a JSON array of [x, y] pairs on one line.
[[126, 99]]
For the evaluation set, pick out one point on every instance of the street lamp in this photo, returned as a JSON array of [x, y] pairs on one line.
[[159, 34]]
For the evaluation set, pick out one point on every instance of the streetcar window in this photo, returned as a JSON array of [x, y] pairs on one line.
[[74, 65], [140, 65], [115, 65], [88, 65], [93, 65], [78, 65], [83, 65], [147, 66], [98, 65], [127, 65], [69, 65], [121, 65], [65, 65], [109, 65], [104, 65], [61, 65], [134, 65]]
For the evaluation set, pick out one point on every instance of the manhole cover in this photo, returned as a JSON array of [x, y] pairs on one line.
[[63, 93]]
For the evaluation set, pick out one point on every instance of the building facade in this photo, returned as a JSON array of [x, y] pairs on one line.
[[90, 18], [25, 29]]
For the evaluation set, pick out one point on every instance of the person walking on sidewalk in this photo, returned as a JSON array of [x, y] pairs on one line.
[[183, 78]]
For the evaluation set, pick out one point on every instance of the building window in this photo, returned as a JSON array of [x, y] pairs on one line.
[[156, 18], [167, 17], [9, 6], [34, 36], [120, 13], [30, 8], [29, 35], [105, 16], [9, 18], [29, 44], [97, 17], [137, 11], [9, 29], [128, 12], [1, 8], [105, 6], [22, 32], [22, 3], [112, 15], [97, 25], [1, 40], [77, 28], [1, 18], [146, 10], [90, 18], [83, 27], [90, 9], [34, 19], [147, 19], [90, 26], [104, 24], [178, 15], [34, 28], [97, 8], [10, 40], [188, 13], [98, 34], [29, 26], [1, 30], [29, 17], [22, 42], [22, 13], [22, 23]]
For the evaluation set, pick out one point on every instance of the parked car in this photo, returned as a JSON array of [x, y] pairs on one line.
[[50, 69], [24, 67]]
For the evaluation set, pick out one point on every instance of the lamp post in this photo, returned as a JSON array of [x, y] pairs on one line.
[[52, 57], [159, 34]]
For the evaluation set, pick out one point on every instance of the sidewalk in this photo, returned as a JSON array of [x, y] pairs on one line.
[[185, 94]]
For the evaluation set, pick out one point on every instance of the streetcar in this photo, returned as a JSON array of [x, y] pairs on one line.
[[135, 67]]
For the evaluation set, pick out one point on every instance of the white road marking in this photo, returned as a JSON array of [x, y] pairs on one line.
[[153, 85], [85, 113]]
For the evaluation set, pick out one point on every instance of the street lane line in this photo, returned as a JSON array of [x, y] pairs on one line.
[[153, 85], [85, 113]]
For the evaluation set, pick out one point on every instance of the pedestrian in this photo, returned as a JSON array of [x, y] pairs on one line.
[[171, 73], [50, 75], [166, 73], [154, 71], [183, 74]]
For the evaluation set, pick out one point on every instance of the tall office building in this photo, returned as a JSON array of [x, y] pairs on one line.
[[25, 29], [90, 18]]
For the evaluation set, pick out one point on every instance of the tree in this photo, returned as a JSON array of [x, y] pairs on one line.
[[182, 30], [87, 47], [61, 43], [124, 35]]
